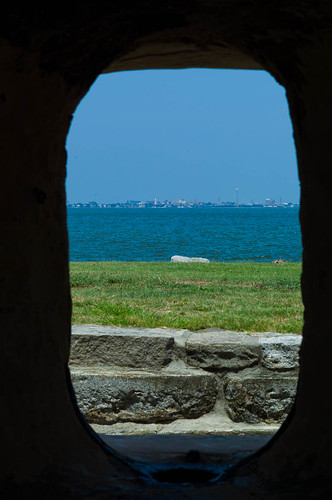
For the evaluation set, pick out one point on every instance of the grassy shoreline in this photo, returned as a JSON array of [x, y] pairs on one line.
[[241, 296]]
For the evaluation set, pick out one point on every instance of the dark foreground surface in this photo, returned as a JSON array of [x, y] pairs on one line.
[[177, 448], [168, 466], [184, 459]]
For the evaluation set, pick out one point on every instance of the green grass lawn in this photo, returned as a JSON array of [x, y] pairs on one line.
[[234, 296]]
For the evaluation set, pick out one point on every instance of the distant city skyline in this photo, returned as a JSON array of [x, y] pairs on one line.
[[181, 203], [236, 200], [191, 134]]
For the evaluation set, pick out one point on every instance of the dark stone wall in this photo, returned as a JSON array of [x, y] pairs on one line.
[[49, 58]]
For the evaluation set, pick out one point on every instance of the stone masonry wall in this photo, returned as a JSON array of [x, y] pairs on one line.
[[180, 381]]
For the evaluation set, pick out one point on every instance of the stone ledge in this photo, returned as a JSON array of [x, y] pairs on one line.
[[255, 399], [280, 352], [157, 348], [215, 349], [106, 396], [166, 380], [146, 348], [222, 350]]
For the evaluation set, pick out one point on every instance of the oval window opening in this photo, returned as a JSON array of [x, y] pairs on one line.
[[184, 367]]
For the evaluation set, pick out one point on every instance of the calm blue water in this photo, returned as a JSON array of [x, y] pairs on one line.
[[219, 234]]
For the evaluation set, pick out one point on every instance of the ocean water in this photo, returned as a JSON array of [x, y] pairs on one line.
[[219, 234]]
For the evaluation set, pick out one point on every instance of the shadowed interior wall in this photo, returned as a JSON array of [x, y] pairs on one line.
[[49, 58]]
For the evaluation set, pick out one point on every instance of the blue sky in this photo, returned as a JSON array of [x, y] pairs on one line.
[[193, 134]]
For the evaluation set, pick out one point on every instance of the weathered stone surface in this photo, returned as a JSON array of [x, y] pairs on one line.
[[105, 397], [280, 352], [181, 258], [145, 348], [259, 399], [222, 350], [177, 359]]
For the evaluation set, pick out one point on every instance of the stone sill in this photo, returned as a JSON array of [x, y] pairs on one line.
[[141, 380]]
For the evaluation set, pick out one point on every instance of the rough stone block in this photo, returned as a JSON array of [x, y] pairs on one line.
[[106, 397], [181, 258], [222, 350], [259, 399], [144, 348], [280, 352]]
